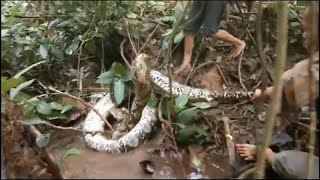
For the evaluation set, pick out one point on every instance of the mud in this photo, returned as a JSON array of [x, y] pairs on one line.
[[93, 164]]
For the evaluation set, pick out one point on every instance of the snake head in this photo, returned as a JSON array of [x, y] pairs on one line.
[[141, 63]]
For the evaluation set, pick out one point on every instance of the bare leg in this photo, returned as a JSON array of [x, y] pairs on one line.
[[188, 47], [248, 151], [225, 36]]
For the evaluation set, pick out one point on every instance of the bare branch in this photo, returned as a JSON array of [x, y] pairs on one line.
[[273, 109]]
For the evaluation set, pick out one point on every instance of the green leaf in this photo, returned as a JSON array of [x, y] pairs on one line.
[[56, 106], [181, 100], [118, 69], [128, 76], [105, 78], [43, 51], [165, 45], [66, 108], [72, 48], [7, 84], [31, 121], [177, 109], [118, 91], [57, 53], [15, 91], [132, 15], [179, 37], [180, 125], [202, 105], [91, 47], [186, 116], [56, 116], [3, 19], [249, 107], [43, 108], [43, 140], [152, 102], [28, 68], [71, 152], [295, 24], [189, 132]]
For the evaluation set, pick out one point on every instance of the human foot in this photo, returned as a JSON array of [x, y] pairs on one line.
[[247, 151], [238, 49], [183, 69], [260, 96]]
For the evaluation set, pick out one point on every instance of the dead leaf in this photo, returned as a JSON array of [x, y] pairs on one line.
[[147, 166]]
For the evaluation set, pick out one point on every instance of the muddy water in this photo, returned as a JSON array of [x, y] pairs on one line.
[[93, 164]]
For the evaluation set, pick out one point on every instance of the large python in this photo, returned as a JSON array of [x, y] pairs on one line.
[[148, 118]]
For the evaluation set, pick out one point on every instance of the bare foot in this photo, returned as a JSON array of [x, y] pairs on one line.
[[248, 151], [257, 94], [238, 49], [260, 96], [183, 69]]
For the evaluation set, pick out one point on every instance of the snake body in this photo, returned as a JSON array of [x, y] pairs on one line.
[[148, 118], [127, 142]]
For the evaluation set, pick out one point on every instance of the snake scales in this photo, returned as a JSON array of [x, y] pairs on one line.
[[148, 118]]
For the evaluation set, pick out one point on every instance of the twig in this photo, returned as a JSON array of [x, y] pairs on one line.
[[168, 124], [313, 119], [133, 47], [48, 156], [69, 128], [81, 78], [83, 102], [239, 73], [122, 55], [273, 109], [204, 117], [222, 75], [154, 30], [201, 65], [229, 140], [261, 52], [195, 61]]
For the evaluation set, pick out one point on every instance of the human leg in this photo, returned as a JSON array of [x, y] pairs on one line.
[[239, 44], [192, 25], [212, 19], [188, 47]]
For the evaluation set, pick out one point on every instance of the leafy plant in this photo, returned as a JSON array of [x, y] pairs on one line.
[[184, 114], [119, 79], [70, 152]]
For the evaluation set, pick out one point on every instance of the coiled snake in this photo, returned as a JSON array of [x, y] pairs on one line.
[[148, 118]]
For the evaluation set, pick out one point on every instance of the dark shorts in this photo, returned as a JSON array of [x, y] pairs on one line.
[[206, 13]]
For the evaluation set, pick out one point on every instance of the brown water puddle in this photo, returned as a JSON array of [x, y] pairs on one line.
[[93, 164]]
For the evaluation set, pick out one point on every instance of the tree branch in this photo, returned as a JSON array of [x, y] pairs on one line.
[[273, 109]]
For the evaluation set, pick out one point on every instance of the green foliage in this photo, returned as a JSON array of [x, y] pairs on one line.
[[43, 140], [119, 79], [184, 114], [70, 152]]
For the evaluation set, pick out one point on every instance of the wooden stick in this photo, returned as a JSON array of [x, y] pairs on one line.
[[48, 156], [229, 140], [274, 107]]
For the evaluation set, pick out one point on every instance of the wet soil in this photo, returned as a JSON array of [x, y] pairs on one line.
[[93, 164]]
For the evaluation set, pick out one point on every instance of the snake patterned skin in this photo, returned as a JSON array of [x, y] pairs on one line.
[[197, 94], [144, 127], [129, 141]]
